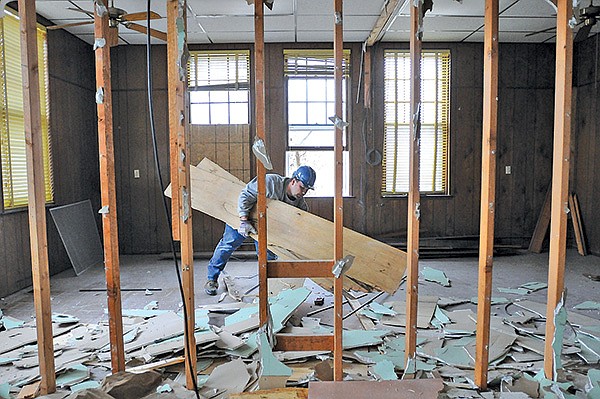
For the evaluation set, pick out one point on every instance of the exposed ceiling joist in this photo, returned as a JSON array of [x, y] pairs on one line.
[[389, 10]]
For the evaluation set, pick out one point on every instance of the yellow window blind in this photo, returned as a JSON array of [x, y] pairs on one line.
[[435, 108], [12, 129]]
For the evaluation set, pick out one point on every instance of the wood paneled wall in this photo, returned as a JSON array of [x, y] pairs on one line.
[[586, 137], [75, 158], [524, 143]]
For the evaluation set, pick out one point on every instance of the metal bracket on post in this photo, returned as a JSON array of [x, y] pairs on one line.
[[342, 266]]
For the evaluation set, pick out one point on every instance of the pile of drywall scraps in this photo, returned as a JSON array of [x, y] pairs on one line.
[[235, 356]]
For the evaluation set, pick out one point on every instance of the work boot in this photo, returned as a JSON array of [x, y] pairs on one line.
[[211, 287]]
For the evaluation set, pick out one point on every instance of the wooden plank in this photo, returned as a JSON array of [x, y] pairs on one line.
[[338, 200], [288, 342], [576, 220], [400, 389], [537, 239], [277, 393], [36, 194], [414, 195], [580, 225], [488, 191], [300, 269], [390, 9], [180, 152], [560, 175], [108, 194], [296, 234]]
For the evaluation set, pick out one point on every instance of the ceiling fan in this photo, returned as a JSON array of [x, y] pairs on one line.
[[586, 17], [118, 16]]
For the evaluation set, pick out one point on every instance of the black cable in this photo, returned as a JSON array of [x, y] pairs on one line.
[[164, 200]]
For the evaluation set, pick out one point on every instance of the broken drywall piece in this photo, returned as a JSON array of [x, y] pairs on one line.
[[516, 291], [5, 390], [588, 305], [281, 306], [534, 286], [84, 385], [64, 319], [227, 340], [357, 338], [10, 322], [560, 321], [145, 313], [226, 379], [436, 276], [384, 370], [273, 373], [74, 374], [381, 309], [426, 309], [495, 300], [454, 356]]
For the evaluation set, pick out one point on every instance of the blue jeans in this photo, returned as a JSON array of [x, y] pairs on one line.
[[231, 241]]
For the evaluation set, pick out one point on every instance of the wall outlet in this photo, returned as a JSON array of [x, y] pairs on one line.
[[508, 169], [136, 173]]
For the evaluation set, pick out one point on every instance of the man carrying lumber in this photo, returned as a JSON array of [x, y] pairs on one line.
[[290, 190]]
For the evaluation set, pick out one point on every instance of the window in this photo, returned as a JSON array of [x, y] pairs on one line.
[[435, 105], [311, 101], [219, 87], [12, 125]]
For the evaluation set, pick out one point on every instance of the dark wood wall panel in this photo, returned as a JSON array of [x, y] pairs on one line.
[[75, 158], [586, 137], [525, 144]]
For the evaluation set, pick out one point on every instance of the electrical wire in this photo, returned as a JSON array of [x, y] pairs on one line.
[[162, 189]]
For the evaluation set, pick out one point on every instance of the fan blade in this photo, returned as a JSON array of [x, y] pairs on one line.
[[583, 32], [52, 27], [140, 16], [142, 29]]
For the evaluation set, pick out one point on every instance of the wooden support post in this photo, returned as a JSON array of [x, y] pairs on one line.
[[179, 137], [488, 191], [560, 174], [338, 204], [261, 206], [108, 192], [412, 244], [36, 196]]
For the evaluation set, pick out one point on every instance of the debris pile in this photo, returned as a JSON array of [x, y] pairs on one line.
[[235, 356]]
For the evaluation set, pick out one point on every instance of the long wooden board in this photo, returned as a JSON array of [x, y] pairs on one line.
[[296, 234]]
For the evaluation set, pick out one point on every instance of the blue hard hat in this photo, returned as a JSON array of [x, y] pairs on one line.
[[306, 175]]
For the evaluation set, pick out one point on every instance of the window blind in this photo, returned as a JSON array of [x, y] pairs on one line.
[[435, 106], [225, 70], [12, 124]]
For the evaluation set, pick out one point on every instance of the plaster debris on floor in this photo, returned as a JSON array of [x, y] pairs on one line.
[[235, 357]]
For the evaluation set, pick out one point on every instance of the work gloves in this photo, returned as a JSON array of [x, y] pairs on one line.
[[246, 228]]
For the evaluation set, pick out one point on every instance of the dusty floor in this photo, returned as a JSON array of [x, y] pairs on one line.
[[139, 273], [151, 278]]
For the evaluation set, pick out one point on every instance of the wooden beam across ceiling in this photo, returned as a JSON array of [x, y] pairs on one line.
[[388, 12]]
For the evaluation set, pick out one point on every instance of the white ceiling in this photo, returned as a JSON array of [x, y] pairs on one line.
[[232, 21]]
